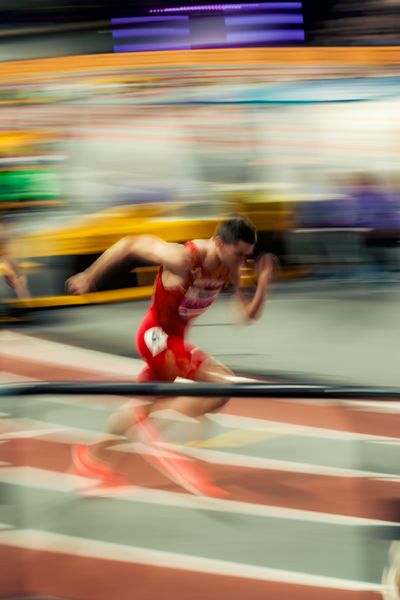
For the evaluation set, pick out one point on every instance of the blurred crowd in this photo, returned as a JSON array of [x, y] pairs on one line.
[[310, 152], [360, 22], [358, 225]]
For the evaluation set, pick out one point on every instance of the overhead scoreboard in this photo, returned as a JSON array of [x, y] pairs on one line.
[[201, 26]]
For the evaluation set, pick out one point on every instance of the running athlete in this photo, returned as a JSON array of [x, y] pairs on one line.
[[190, 277], [11, 269]]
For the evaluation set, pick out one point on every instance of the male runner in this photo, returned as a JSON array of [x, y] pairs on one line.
[[11, 269], [190, 278]]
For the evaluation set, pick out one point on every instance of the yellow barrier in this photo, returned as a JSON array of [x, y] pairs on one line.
[[121, 295]]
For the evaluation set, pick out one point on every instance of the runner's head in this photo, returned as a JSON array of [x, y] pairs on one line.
[[235, 240]]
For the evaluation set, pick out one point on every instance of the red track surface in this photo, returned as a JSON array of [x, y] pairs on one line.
[[27, 571]]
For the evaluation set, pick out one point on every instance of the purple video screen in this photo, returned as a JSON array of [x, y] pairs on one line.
[[187, 27]]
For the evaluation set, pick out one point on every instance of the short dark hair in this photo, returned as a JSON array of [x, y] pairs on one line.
[[236, 229]]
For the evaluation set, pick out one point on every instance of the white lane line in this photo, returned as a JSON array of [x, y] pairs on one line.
[[224, 419], [30, 428], [6, 377], [381, 406], [38, 350], [151, 496], [67, 483], [91, 402], [55, 432], [283, 428], [386, 442], [384, 406], [228, 421], [256, 462], [43, 479], [45, 541], [52, 432]]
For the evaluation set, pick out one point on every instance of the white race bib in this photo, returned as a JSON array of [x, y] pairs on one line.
[[156, 340]]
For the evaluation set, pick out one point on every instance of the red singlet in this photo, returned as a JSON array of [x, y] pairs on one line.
[[160, 338]]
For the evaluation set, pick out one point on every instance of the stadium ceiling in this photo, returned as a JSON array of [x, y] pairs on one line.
[[31, 12]]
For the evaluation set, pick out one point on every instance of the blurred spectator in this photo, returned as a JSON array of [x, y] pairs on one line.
[[366, 22], [10, 268], [357, 223], [334, 208], [377, 211]]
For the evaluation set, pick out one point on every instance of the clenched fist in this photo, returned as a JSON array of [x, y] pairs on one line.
[[266, 267], [78, 284]]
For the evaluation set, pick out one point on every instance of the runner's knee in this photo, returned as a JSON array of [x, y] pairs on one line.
[[119, 422], [219, 403], [207, 405]]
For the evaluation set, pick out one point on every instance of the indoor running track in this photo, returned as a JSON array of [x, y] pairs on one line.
[[311, 511]]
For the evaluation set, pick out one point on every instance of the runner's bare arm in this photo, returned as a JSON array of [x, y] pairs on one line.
[[15, 278], [12, 272], [175, 258], [252, 309]]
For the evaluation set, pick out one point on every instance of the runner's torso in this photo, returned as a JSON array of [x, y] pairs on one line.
[[173, 308]]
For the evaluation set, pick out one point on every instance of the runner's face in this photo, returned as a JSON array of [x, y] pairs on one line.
[[234, 255]]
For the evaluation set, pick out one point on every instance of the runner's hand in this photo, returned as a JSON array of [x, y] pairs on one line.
[[19, 284], [78, 284], [11, 278], [267, 266]]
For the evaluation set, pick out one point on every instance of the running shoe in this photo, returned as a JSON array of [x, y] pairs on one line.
[[178, 469], [86, 466]]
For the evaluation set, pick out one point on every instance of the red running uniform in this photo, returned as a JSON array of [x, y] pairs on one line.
[[160, 338]]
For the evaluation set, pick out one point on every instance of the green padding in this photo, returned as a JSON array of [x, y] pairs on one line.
[[29, 184]]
